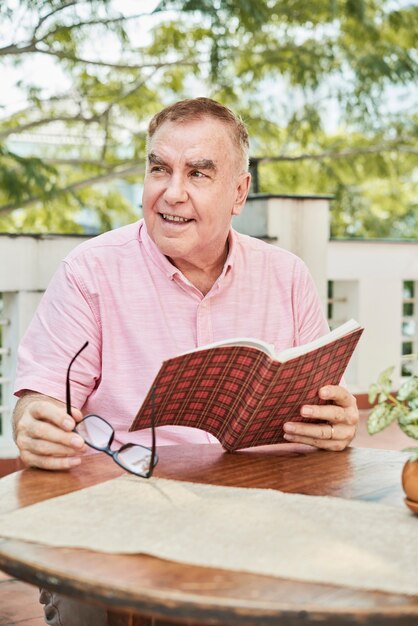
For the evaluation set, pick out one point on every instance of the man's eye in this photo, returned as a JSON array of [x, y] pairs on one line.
[[157, 168], [197, 174]]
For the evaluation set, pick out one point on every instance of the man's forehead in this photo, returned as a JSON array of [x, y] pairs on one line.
[[188, 153], [192, 134], [190, 143]]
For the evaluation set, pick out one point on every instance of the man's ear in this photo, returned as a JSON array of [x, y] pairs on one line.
[[243, 187]]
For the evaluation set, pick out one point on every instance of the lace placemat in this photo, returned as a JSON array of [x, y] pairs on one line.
[[309, 538]]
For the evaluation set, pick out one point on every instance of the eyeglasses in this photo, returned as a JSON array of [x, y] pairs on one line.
[[99, 434]]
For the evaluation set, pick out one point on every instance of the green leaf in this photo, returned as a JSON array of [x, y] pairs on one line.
[[379, 418], [409, 423], [398, 412], [385, 379], [409, 389], [413, 404], [373, 391]]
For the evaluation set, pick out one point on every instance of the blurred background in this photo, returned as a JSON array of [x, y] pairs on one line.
[[328, 90]]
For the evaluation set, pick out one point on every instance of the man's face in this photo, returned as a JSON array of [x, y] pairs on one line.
[[193, 186]]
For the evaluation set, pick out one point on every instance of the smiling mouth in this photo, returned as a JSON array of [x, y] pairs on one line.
[[175, 218]]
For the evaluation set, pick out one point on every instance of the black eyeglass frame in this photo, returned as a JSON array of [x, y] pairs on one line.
[[107, 450]]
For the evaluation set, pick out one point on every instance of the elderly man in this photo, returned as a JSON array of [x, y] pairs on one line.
[[178, 279]]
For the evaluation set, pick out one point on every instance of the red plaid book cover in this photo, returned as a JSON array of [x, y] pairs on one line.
[[241, 395]]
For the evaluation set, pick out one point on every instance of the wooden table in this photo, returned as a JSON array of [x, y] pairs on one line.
[[162, 592]]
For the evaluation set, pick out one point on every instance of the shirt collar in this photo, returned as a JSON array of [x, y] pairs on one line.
[[166, 266]]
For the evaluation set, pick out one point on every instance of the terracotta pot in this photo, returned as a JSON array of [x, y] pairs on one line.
[[410, 484]]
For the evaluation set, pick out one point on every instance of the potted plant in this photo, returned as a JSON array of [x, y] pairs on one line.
[[400, 407]]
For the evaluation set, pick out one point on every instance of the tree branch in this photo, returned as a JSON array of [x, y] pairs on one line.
[[48, 120], [120, 66], [117, 172], [102, 22], [339, 154], [48, 15], [32, 48], [408, 150], [29, 104], [81, 162], [14, 49], [78, 117], [34, 41]]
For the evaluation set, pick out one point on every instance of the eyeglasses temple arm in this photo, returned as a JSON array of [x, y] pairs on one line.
[[67, 386], [153, 442]]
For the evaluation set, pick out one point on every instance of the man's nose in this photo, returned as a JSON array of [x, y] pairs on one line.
[[176, 190]]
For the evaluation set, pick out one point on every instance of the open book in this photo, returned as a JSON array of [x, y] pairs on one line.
[[241, 392]]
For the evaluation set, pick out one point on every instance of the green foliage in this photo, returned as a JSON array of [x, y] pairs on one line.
[[401, 407], [286, 67], [380, 417], [409, 390], [409, 423], [65, 214], [22, 177]]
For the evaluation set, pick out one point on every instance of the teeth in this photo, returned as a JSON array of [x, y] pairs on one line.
[[174, 218]]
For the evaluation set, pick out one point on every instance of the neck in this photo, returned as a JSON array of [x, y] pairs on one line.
[[202, 276]]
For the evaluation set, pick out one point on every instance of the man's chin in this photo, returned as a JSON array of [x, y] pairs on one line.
[[172, 245]]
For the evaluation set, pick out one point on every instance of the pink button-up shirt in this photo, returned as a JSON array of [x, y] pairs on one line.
[[136, 309]]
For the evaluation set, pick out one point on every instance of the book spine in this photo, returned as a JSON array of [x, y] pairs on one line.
[[252, 390]]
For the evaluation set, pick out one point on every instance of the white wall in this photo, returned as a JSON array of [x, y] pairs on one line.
[[379, 269], [28, 262]]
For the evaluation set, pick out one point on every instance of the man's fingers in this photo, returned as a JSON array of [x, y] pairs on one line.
[[343, 409], [41, 410], [38, 429], [331, 413], [45, 437], [49, 462], [45, 447], [338, 394], [325, 444], [319, 431], [338, 421]]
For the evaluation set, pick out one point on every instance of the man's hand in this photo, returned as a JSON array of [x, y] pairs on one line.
[[342, 417], [43, 433]]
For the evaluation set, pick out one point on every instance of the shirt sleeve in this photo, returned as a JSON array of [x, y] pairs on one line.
[[309, 316], [65, 319]]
